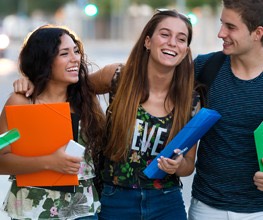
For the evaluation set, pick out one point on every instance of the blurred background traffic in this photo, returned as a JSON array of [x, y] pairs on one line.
[[108, 29]]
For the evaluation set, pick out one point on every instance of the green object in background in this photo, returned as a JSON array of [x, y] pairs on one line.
[[9, 137], [258, 135]]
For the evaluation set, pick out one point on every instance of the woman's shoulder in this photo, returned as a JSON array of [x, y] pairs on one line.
[[14, 99], [102, 78], [18, 99], [112, 67], [111, 70]]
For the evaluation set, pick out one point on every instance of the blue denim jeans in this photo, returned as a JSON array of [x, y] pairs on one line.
[[93, 217], [118, 203]]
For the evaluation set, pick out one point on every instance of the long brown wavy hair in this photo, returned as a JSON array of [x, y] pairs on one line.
[[35, 61], [133, 89]]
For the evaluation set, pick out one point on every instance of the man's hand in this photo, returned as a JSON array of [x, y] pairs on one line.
[[258, 180]]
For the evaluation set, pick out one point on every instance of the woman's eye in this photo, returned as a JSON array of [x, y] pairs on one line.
[[182, 40], [165, 35]]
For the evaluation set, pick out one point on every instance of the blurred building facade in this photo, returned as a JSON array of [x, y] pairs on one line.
[[124, 24]]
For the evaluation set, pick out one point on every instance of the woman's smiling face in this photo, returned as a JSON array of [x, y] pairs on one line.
[[66, 64], [168, 44]]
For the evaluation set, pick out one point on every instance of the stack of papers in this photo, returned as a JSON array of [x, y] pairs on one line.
[[184, 140], [75, 149]]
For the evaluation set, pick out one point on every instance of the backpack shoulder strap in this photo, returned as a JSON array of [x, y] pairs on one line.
[[211, 68]]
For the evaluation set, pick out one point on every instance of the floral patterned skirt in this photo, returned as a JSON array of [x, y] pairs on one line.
[[40, 203]]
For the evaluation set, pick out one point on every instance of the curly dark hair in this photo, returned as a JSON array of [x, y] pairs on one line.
[[35, 62]]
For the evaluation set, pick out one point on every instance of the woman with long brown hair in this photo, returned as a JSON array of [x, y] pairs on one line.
[[152, 98]]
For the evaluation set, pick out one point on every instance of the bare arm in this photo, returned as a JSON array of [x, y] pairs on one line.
[[101, 80], [13, 164]]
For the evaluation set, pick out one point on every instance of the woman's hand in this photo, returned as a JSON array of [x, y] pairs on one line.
[[23, 86], [168, 165], [61, 162]]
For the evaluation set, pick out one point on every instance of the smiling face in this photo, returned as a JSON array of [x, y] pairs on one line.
[[235, 34], [168, 44], [65, 67]]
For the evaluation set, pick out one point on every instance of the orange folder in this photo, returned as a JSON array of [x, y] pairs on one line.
[[43, 129]]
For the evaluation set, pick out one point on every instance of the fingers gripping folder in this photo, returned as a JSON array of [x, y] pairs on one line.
[[184, 140], [44, 128]]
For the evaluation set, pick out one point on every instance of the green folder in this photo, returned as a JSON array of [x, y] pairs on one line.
[[9, 137], [258, 135]]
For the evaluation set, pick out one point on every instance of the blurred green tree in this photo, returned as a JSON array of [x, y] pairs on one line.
[[48, 6], [28, 6], [197, 3], [155, 3], [9, 8], [106, 7]]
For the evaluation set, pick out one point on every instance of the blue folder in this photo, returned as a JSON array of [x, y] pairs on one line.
[[184, 140]]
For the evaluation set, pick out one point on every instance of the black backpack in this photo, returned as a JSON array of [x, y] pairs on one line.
[[208, 74]]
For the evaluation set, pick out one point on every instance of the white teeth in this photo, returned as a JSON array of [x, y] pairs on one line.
[[169, 52], [226, 42], [72, 69]]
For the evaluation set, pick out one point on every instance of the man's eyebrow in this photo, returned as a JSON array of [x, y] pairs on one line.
[[227, 23]]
